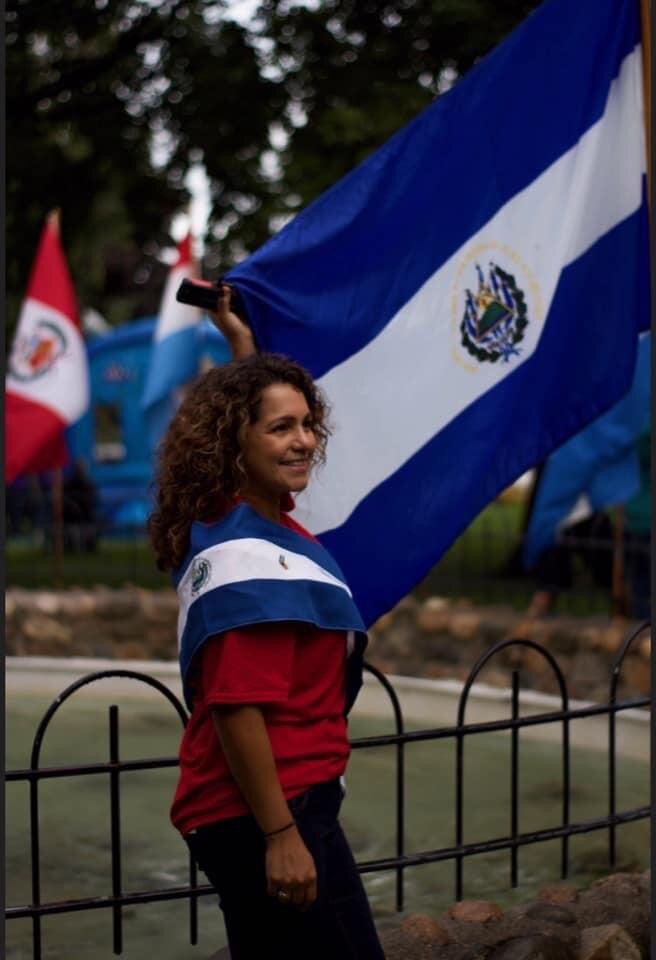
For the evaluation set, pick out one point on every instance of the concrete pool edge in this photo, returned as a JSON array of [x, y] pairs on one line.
[[431, 703]]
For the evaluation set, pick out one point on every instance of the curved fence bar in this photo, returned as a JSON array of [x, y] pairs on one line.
[[400, 775], [612, 736], [514, 727], [115, 768], [114, 772], [92, 678], [621, 654]]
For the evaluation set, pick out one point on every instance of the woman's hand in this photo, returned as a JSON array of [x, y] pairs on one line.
[[290, 869], [289, 865], [236, 332]]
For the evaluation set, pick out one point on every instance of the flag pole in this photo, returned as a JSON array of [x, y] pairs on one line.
[[54, 219], [645, 31], [58, 526], [619, 592]]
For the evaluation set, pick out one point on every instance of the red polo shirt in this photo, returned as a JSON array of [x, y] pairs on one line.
[[295, 673]]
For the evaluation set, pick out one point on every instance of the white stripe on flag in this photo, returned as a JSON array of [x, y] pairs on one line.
[[585, 193], [175, 316], [248, 558], [63, 387]]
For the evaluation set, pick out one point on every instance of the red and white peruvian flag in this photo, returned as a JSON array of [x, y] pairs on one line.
[[48, 377]]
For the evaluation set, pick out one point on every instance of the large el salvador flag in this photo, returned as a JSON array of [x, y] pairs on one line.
[[471, 294], [47, 385], [174, 355]]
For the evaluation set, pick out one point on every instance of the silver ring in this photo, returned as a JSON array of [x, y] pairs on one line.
[[282, 895]]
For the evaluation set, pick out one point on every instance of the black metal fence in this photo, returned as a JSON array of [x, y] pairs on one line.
[[513, 841]]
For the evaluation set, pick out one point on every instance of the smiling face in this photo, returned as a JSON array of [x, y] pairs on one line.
[[277, 449]]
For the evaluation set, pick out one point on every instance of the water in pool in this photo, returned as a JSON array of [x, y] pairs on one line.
[[75, 830]]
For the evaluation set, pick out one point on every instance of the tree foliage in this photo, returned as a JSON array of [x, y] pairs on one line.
[[109, 102], [95, 92], [357, 70]]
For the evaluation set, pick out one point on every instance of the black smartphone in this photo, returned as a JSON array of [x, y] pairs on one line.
[[205, 294], [198, 293]]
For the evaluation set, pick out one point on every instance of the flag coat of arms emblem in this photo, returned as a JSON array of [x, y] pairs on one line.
[[494, 317], [47, 385], [470, 295]]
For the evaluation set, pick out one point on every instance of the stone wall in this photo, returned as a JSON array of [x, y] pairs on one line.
[[607, 921], [434, 638], [438, 638], [128, 623]]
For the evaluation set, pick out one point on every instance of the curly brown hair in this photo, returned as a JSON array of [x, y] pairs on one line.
[[200, 466]]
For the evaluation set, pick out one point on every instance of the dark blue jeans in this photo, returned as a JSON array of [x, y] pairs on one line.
[[338, 926]]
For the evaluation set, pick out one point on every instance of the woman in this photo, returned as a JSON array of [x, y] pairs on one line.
[[265, 623]]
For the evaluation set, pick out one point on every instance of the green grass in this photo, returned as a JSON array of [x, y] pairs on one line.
[[478, 566], [114, 563], [483, 550], [483, 566]]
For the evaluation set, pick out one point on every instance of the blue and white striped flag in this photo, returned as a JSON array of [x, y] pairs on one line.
[[471, 294], [600, 463], [175, 354]]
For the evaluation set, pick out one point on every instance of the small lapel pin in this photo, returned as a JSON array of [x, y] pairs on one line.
[[283, 562]]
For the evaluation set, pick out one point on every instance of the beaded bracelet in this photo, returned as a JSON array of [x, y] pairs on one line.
[[272, 833]]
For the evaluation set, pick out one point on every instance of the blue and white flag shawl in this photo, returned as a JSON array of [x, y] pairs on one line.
[[470, 296], [244, 570]]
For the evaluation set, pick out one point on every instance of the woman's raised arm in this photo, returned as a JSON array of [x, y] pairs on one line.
[[236, 332]]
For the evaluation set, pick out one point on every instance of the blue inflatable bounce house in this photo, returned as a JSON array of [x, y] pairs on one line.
[[112, 439]]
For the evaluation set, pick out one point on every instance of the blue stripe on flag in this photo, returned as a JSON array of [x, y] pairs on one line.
[[275, 601], [345, 270], [271, 601], [173, 361]]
